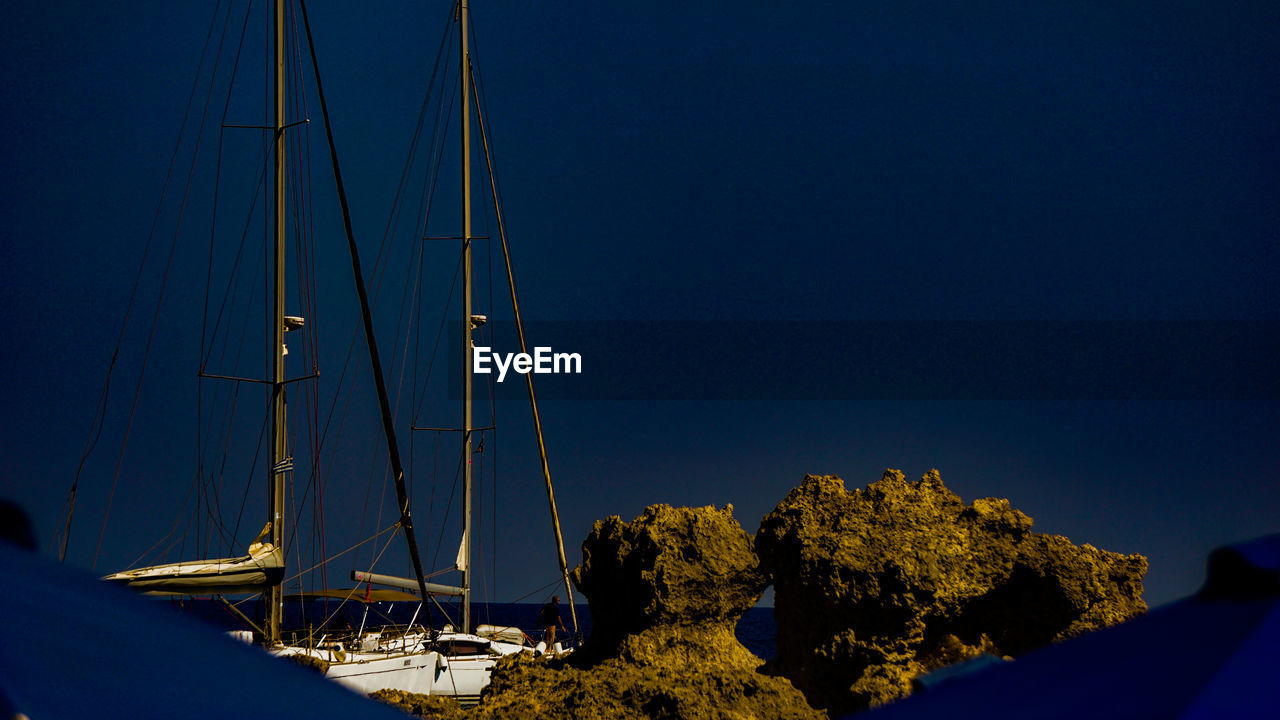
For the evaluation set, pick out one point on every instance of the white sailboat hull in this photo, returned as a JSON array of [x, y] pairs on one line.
[[408, 665]]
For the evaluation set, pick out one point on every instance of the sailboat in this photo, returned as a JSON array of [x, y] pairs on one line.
[[454, 660]]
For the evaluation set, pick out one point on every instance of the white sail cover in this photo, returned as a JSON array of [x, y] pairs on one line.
[[261, 568], [461, 562]]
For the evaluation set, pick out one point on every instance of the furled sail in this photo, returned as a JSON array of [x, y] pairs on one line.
[[404, 583], [262, 567]]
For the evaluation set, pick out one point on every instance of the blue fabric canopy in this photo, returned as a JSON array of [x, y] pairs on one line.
[[77, 647]]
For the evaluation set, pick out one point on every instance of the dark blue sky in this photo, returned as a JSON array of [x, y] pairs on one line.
[[783, 170]]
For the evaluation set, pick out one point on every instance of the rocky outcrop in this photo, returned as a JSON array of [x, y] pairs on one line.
[[681, 567], [666, 591], [876, 586]]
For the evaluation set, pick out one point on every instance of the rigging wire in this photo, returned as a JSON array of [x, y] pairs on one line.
[[393, 219], [313, 335], [217, 183], [457, 473], [479, 491], [101, 411], [229, 411], [435, 153], [302, 206], [304, 226], [353, 590], [177, 521], [393, 452], [444, 319], [253, 469], [396, 204], [328, 560], [491, 386], [232, 291], [376, 282], [163, 285], [515, 306]]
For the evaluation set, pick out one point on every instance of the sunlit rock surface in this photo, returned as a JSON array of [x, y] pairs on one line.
[[666, 591], [876, 586], [670, 566]]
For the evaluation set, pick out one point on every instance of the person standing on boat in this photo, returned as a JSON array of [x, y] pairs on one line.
[[549, 618]]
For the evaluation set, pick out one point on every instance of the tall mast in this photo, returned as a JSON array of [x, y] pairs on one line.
[[275, 351], [464, 21]]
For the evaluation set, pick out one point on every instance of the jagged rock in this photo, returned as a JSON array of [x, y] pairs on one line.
[[436, 707], [680, 566], [876, 586], [666, 591]]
